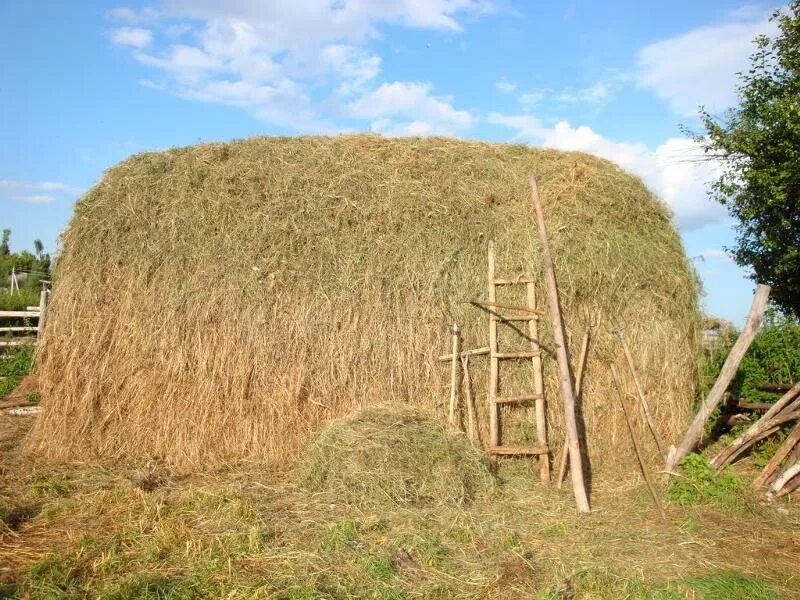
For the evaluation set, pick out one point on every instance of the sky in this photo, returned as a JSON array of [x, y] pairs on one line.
[[86, 84]]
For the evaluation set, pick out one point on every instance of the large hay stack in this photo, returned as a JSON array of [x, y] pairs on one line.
[[217, 302]]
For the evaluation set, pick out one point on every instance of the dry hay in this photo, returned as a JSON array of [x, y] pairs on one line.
[[215, 303], [393, 453]]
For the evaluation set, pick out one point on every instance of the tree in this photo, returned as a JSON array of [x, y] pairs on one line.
[[759, 144], [5, 248], [38, 248]]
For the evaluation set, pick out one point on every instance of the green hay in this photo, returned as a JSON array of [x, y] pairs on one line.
[[217, 303], [393, 454]]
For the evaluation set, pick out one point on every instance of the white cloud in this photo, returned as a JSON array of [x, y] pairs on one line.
[[290, 63], [505, 86], [676, 170], [699, 67], [37, 192], [412, 101], [132, 36]]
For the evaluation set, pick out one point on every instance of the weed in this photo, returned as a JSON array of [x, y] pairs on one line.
[[46, 484], [341, 534], [54, 578], [699, 484], [379, 567], [155, 587], [726, 584]]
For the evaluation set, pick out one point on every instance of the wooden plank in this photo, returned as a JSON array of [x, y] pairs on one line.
[[17, 342], [742, 443], [695, 431], [538, 386], [456, 354], [518, 450], [495, 304], [562, 466], [562, 357], [473, 352], [780, 454], [494, 429], [635, 441], [754, 406], [507, 281], [16, 329], [518, 399], [19, 313], [640, 393], [513, 355]]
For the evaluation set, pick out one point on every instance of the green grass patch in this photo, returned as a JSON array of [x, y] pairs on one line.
[[699, 484]]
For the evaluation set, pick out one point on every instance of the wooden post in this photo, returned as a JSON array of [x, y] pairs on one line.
[[562, 357], [788, 474], [451, 416], [42, 313], [635, 441], [562, 466], [494, 429], [538, 384], [640, 392], [695, 431]]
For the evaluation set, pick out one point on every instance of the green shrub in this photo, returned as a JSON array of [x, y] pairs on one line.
[[699, 484]]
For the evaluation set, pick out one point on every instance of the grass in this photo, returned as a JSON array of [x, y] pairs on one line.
[[698, 483], [12, 369], [247, 292], [239, 534]]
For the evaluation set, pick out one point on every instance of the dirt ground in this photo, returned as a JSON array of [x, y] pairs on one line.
[[80, 530]]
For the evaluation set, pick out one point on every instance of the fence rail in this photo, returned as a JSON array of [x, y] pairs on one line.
[[19, 334]]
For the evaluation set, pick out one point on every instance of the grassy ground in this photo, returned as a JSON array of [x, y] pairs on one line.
[[84, 531]]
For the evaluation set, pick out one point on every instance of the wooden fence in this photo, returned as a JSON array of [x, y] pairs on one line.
[[21, 327]]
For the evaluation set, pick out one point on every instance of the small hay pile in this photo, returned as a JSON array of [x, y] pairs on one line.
[[216, 303], [393, 453]]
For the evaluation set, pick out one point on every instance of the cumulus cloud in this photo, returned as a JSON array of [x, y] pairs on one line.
[[37, 192], [699, 67], [134, 37], [676, 170], [294, 64], [505, 86], [413, 102]]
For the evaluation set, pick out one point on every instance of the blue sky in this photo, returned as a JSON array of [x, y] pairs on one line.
[[86, 84]]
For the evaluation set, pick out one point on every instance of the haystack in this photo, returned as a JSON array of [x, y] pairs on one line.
[[395, 454], [217, 302]]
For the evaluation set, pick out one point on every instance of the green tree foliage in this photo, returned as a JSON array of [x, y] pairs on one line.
[[759, 142], [35, 264]]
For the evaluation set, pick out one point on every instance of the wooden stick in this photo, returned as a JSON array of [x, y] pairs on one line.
[[451, 417], [695, 431], [538, 385], [636, 447], [472, 423], [640, 392], [473, 352], [742, 443], [562, 466], [777, 458], [562, 356], [788, 473], [494, 429], [493, 304]]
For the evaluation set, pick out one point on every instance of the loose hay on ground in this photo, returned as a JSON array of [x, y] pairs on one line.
[[394, 453]]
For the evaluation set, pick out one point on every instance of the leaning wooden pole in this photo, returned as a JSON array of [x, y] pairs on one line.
[[454, 364], [564, 461], [636, 448], [695, 431], [562, 357], [640, 393]]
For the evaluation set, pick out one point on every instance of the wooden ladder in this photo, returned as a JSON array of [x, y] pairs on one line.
[[531, 316]]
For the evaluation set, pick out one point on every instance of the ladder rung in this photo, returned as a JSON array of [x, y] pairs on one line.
[[505, 281], [517, 399], [515, 317], [516, 354], [516, 450]]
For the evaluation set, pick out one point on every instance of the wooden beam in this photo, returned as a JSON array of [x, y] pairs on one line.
[[695, 431], [473, 352], [777, 458], [562, 466], [562, 357], [454, 363]]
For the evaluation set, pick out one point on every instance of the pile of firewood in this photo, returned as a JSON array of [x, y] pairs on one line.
[[782, 473]]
